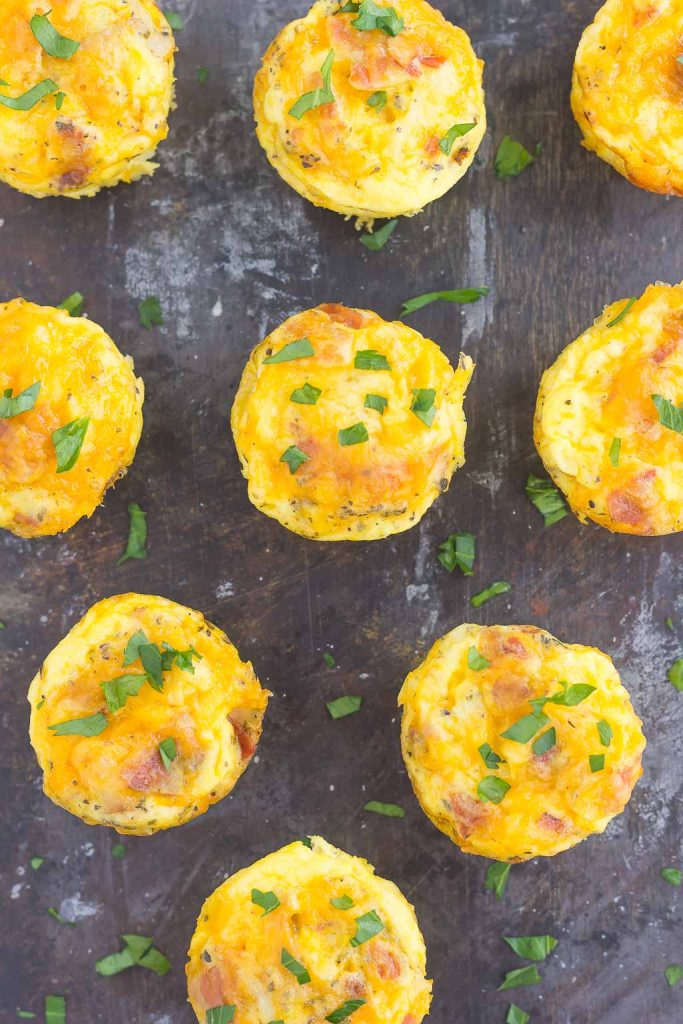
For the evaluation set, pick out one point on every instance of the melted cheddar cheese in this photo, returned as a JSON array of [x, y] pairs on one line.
[[236, 955], [374, 151], [597, 426], [627, 92], [81, 374], [212, 710], [117, 91], [555, 799], [360, 491]]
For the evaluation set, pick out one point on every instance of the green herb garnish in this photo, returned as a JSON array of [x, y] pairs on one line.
[[456, 132], [475, 660], [175, 20], [295, 968], [368, 359], [54, 44], [462, 296], [137, 534], [458, 550], [496, 878], [267, 901], [623, 312], [674, 974], [118, 690], [516, 1016], [423, 405], [343, 706], [511, 159], [490, 758], [497, 588], [372, 16], [376, 402], [345, 1010], [492, 789], [342, 902], [29, 99], [532, 947], [168, 751], [54, 913], [224, 1014], [55, 1009], [388, 810], [202, 75], [519, 977], [149, 312], [570, 696], [138, 951], [367, 926], [675, 674], [73, 304], [317, 97], [604, 732], [670, 415], [671, 875], [23, 402], [525, 728], [118, 851], [378, 100], [299, 349], [615, 451], [544, 495], [355, 434], [93, 725], [545, 742], [307, 395], [294, 458], [25, 1014], [378, 239], [597, 762], [329, 659], [36, 862], [68, 441]]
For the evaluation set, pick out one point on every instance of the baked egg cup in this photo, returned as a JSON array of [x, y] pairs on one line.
[[63, 381], [349, 427], [609, 416], [143, 715], [370, 116], [88, 117], [518, 745], [309, 933], [627, 91]]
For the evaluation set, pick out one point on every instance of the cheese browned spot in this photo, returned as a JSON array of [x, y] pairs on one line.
[[600, 389], [363, 160], [118, 90], [212, 710], [337, 491], [452, 714], [236, 952]]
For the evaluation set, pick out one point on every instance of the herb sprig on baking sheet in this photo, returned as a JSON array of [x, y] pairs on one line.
[[544, 496], [458, 551], [512, 158], [137, 534], [460, 296], [138, 951]]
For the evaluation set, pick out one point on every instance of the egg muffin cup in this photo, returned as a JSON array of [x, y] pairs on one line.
[[609, 416], [518, 745], [143, 715], [627, 91], [367, 116], [70, 420], [309, 933], [88, 108], [349, 427]]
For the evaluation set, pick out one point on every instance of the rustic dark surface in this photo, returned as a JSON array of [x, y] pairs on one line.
[[231, 251]]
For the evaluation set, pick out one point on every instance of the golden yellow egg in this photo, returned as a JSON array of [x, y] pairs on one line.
[[518, 745], [627, 91], [304, 934], [64, 382], [94, 116], [348, 427], [143, 715], [371, 116], [609, 416]]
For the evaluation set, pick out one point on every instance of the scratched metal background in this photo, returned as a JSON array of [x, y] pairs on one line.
[[231, 251]]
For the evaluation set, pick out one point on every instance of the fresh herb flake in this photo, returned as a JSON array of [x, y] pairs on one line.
[[625, 310], [23, 402], [54, 44], [294, 967], [175, 20], [368, 359], [367, 926], [92, 725], [532, 947], [388, 810], [475, 660], [675, 674], [511, 159], [316, 97], [343, 706], [379, 238], [674, 974], [545, 742], [118, 851], [55, 915], [497, 588], [299, 349], [490, 758], [118, 690], [492, 789], [345, 1010], [596, 762], [544, 496], [496, 878], [307, 395], [355, 434], [149, 311], [267, 901], [516, 1016], [376, 402], [168, 751], [423, 405], [136, 546], [25, 1014], [615, 451], [378, 101], [55, 1009], [670, 415], [29, 99], [372, 16], [671, 875], [329, 659], [526, 728], [458, 550], [456, 132], [570, 696], [202, 75], [59, 99], [462, 296], [604, 732], [68, 441], [294, 458], [221, 1014], [138, 951], [342, 902], [73, 304], [519, 977], [36, 862]]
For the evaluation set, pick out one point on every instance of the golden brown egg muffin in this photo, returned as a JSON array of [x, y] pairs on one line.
[[627, 92], [143, 715], [348, 427], [370, 110], [64, 383], [309, 933], [609, 416], [516, 744], [94, 84]]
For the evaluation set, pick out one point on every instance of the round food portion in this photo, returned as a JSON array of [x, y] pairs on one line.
[[516, 744], [370, 110], [309, 933], [627, 92], [70, 419], [609, 416], [143, 715], [89, 87], [348, 427]]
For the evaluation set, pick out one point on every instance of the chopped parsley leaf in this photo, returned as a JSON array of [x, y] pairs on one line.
[[118, 690], [54, 44], [299, 349], [423, 405], [136, 546], [671, 875], [36, 862], [168, 751], [355, 434], [604, 732], [458, 550], [516, 1016], [294, 458], [520, 976], [532, 947], [623, 312], [343, 706], [138, 951], [376, 402], [92, 725], [54, 913], [456, 132], [68, 441], [329, 659], [224, 1014], [307, 395], [511, 159], [368, 359], [317, 97], [544, 496], [372, 16], [23, 402], [379, 238], [367, 926], [267, 901], [497, 588], [490, 758], [496, 878], [388, 810], [462, 296], [294, 967], [475, 660], [492, 789], [149, 312], [596, 762], [674, 974]]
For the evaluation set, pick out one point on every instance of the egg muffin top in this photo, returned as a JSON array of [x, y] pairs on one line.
[[370, 110], [518, 745], [348, 427], [86, 89], [609, 416], [627, 92], [143, 715], [309, 933], [70, 417]]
